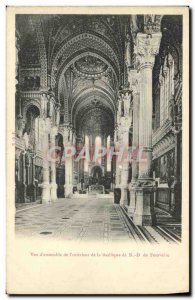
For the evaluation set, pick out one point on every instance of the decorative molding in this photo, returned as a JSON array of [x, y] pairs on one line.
[[82, 41], [163, 140], [28, 103], [161, 132], [30, 95]]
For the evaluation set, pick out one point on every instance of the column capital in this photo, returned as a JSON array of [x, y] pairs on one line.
[[146, 48]]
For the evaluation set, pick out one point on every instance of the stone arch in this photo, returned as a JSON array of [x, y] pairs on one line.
[[28, 104], [97, 89], [108, 96], [71, 50], [85, 98], [35, 103], [96, 167]]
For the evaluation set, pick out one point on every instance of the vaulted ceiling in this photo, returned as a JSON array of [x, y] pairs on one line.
[[83, 59]]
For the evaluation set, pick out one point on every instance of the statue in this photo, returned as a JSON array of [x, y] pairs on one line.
[[127, 100], [26, 140]]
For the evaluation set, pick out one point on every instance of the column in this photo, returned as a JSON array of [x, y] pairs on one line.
[[53, 184], [24, 176], [117, 147], [146, 47], [33, 178], [176, 185], [45, 129], [134, 80], [68, 143], [125, 168], [46, 178], [124, 126]]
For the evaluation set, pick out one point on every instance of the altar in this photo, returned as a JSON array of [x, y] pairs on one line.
[[96, 189]]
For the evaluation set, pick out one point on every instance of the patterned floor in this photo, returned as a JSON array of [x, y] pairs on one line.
[[87, 219]]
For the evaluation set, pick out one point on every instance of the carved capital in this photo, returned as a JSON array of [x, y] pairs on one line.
[[146, 48]]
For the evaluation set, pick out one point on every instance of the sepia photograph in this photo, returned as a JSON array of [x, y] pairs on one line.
[[97, 150], [98, 145]]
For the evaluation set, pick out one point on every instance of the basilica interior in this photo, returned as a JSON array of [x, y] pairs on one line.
[[107, 81]]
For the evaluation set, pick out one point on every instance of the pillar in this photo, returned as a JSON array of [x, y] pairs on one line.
[[176, 185], [116, 148], [24, 176], [33, 178], [125, 168], [45, 129], [53, 185], [146, 47], [68, 142], [46, 178], [124, 124], [134, 80]]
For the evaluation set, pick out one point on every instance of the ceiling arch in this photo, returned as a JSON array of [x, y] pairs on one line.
[[105, 86], [84, 87], [58, 29], [65, 46], [93, 100], [79, 46], [90, 93]]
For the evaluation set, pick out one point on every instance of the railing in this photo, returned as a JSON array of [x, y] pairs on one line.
[[30, 94]]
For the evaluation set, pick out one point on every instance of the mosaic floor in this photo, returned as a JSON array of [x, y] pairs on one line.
[[88, 219]]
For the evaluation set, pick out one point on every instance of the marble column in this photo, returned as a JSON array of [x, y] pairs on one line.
[[134, 80], [125, 169], [125, 120], [68, 140], [53, 184], [46, 173], [116, 148], [45, 129], [146, 47], [24, 175], [33, 178]]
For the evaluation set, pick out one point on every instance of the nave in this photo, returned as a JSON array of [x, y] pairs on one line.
[[93, 218]]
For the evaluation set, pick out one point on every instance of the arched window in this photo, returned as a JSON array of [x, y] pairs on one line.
[[32, 125], [108, 157], [166, 80], [86, 163]]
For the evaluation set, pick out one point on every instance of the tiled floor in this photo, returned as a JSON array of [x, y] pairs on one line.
[[83, 219]]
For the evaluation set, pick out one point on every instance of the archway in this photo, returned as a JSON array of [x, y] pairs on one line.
[[96, 175]]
